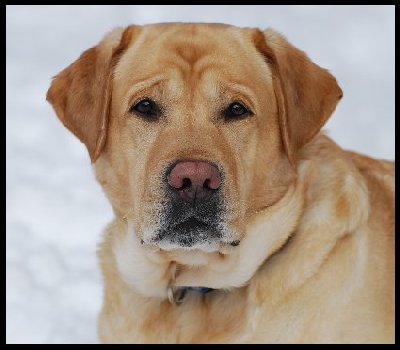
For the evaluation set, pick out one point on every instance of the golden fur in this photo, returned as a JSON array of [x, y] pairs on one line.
[[315, 223]]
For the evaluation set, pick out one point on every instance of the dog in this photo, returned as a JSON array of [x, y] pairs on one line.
[[236, 219]]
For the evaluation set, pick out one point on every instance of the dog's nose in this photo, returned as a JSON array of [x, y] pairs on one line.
[[194, 179]]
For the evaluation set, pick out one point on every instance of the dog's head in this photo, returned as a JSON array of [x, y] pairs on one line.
[[193, 128]]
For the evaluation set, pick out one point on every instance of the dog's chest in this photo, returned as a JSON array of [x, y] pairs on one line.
[[213, 317]]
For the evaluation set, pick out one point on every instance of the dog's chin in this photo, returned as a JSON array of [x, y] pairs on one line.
[[192, 257], [191, 238], [186, 243], [190, 234]]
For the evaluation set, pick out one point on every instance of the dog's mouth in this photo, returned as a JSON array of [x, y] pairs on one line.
[[191, 224], [189, 233]]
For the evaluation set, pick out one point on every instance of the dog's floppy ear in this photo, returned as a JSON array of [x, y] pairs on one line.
[[306, 93], [81, 93]]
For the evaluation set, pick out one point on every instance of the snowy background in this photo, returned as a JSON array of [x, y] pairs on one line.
[[55, 209]]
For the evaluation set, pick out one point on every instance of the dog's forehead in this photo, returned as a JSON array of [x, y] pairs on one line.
[[187, 41], [188, 52]]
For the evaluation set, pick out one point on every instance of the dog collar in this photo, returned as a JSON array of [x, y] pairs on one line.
[[203, 290], [178, 295]]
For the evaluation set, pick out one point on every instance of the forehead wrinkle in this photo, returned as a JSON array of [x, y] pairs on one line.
[[242, 90], [190, 45], [142, 85], [130, 52], [215, 83], [188, 52]]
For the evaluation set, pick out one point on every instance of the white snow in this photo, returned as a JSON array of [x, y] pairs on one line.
[[55, 210]]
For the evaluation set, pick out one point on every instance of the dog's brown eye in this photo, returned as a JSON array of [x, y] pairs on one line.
[[145, 108], [236, 111]]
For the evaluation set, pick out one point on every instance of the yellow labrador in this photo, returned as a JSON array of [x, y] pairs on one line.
[[236, 221]]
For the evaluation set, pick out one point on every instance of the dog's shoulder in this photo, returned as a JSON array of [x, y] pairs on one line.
[[325, 150], [378, 172], [353, 182], [343, 243]]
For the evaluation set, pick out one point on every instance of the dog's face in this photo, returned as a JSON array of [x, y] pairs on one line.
[[188, 133], [193, 128]]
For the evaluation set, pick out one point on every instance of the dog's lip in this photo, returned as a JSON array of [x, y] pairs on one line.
[[197, 227], [191, 226], [206, 232]]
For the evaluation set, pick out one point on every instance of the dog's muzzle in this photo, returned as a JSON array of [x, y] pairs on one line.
[[193, 214]]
